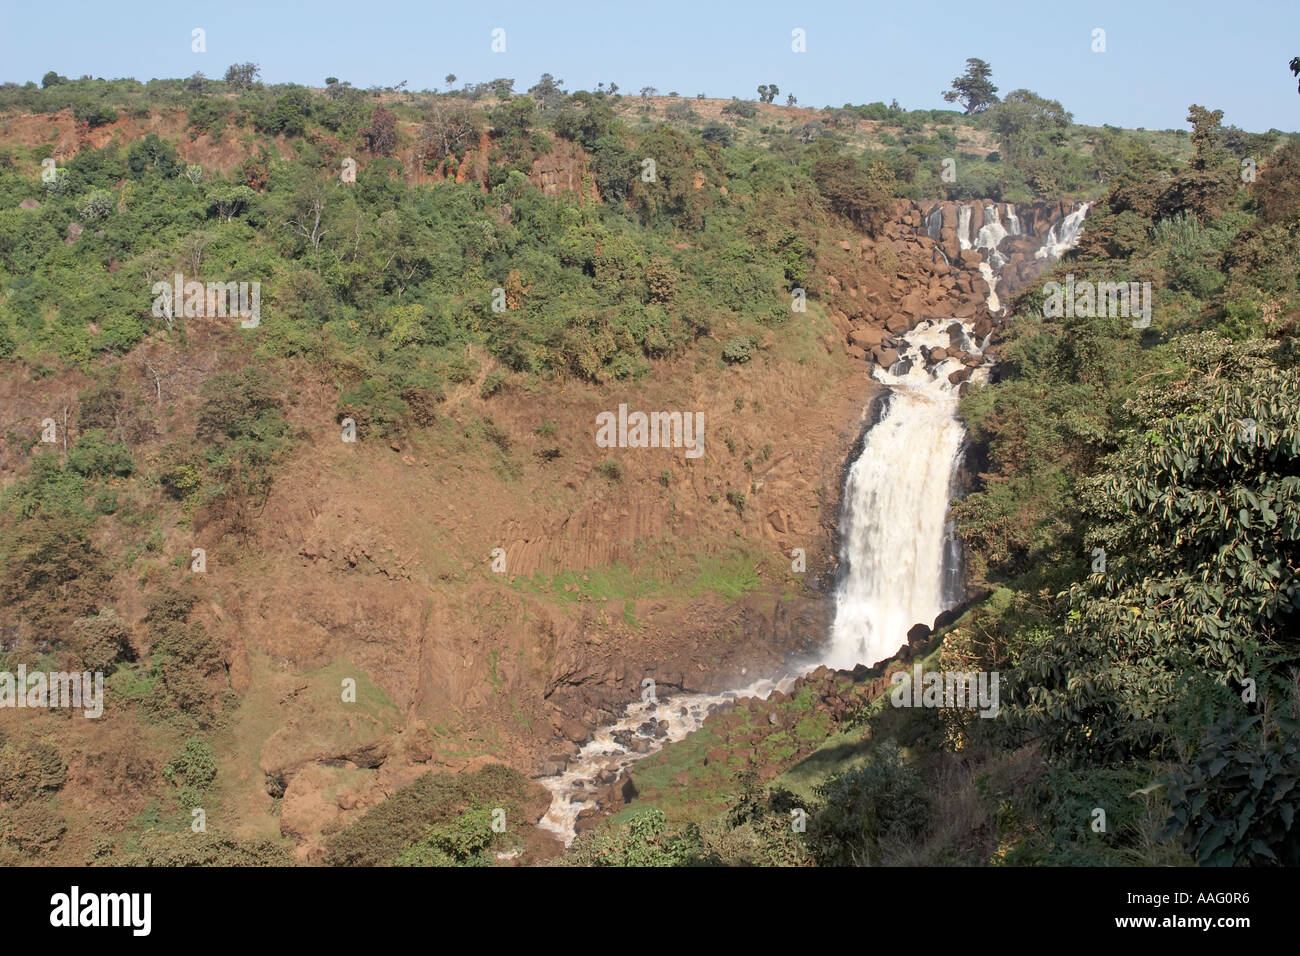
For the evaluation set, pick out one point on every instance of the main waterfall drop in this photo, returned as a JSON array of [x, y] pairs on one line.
[[896, 539]]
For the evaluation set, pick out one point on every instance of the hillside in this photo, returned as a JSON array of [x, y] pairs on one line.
[[464, 282]]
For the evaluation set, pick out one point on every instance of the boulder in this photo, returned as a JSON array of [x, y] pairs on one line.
[[884, 357], [898, 323], [959, 376], [575, 730], [866, 337], [779, 520], [913, 303]]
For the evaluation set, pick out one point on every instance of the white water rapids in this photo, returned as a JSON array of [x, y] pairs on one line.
[[895, 534]]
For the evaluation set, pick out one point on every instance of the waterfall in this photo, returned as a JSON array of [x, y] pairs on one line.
[[990, 277], [934, 223], [901, 563], [897, 542], [963, 226], [1064, 235], [992, 232], [1013, 221]]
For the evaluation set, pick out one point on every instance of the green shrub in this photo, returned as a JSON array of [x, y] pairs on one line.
[[862, 812], [492, 383], [102, 641], [1237, 803], [95, 457], [645, 840], [737, 351], [160, 849], [463, 841], [440, 801], [741, 108]]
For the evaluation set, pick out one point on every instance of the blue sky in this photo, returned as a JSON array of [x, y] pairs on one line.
[[1160, 56]]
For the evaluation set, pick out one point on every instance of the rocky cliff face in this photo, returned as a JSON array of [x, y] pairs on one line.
[[941, 260]]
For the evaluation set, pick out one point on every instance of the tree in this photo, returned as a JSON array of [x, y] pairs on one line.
[[334, 89], [1025, 120], [241, 76], [230, 200], [446, 132], [1295, 68], [97, 204], [716, 132], [863, 198], [587, 118], [1196, 515], [513, 119], [1277, 192], [450, 80], [973, 89], [1212, 177], [381, 134], [791, 100], [1207, 137], [547, 93], [766, 94], [52, 79]]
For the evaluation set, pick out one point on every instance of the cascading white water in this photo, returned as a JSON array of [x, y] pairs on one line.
[[896, 506], [963, 226], [1058, 243], [992, 232], [646, 727], [991, 277], [1013, 221], [900, 550]]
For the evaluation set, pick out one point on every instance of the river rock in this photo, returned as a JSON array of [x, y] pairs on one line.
[[884, 357], [575, 730], [866, 337]]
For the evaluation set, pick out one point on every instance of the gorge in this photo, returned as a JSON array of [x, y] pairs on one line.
[[900, 561]]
